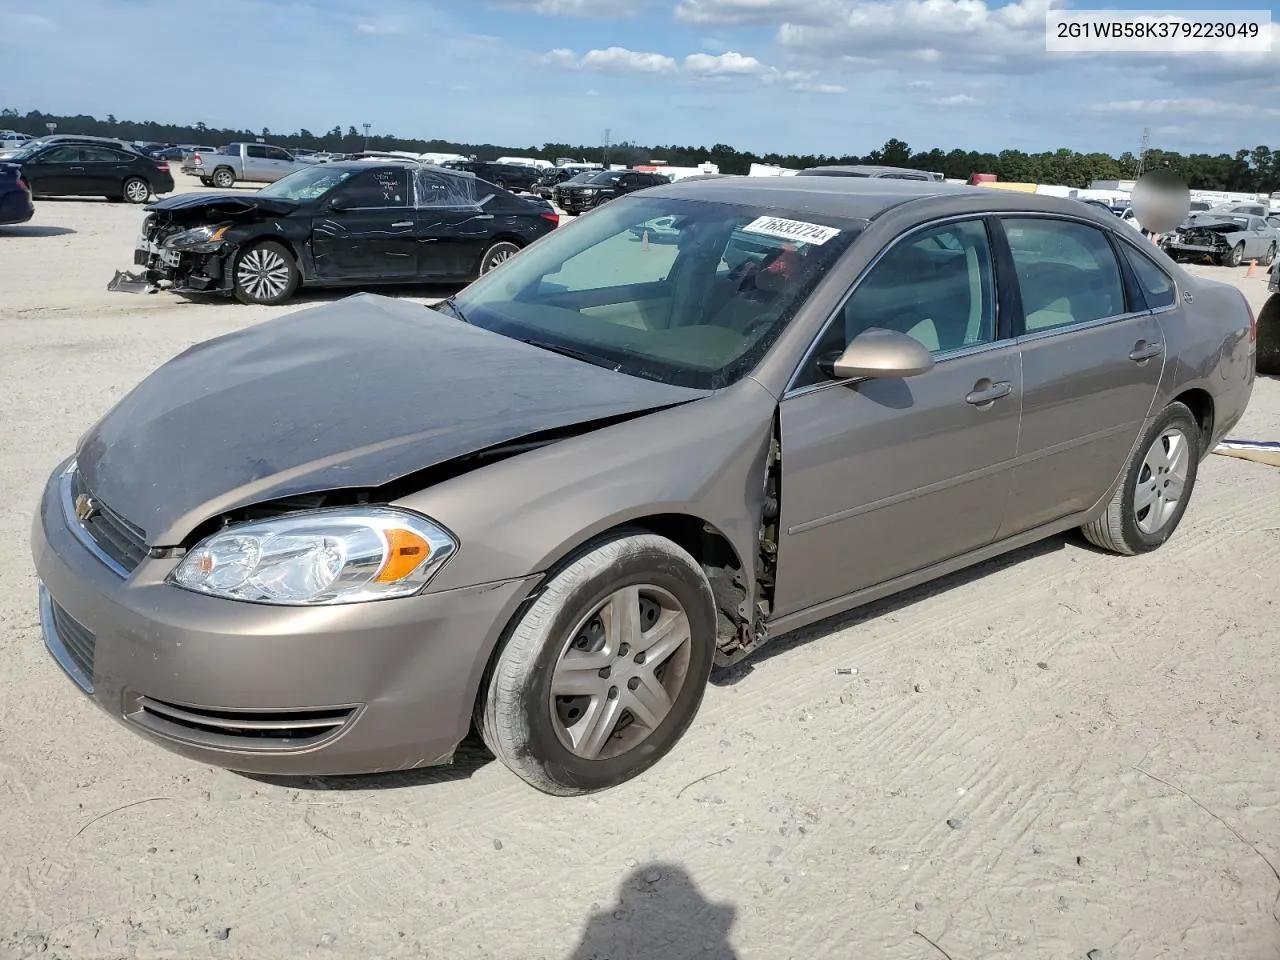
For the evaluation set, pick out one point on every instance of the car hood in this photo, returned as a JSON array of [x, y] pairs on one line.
[[349, 395], [1217, 222], [220, 206]]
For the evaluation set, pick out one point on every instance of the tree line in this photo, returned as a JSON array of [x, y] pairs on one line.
[[1255, 170]]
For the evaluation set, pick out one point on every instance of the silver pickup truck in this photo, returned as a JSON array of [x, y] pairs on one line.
[[254, 162]]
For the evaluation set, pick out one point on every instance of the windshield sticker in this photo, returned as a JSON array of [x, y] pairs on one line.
[[796, 230]]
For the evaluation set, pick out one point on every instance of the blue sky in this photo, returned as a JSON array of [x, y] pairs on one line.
[[830, 76]]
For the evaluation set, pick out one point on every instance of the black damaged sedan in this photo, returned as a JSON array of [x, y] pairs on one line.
[[335, 224]]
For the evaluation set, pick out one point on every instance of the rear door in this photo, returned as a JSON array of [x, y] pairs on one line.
[[1092, 355], [105, 169], [371, 237], [256, 165], [885, 477], [453, 225]]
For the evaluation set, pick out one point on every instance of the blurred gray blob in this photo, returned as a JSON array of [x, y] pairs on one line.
[[1161, 201]]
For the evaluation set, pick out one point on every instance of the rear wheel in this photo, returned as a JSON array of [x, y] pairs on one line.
[[223, 178], [137, 190], [206, 181], [1157, 485], [1235, 257], [604, 671], [265, 274], [1269, 257], [497, 255]]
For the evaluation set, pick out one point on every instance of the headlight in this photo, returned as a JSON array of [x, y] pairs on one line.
[[343, 555], [200, 236]]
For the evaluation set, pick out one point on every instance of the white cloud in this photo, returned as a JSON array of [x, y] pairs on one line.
[[612, 60], [1198, 107], [956, 100], [755, 12], [824, 88], [726, 64], [598, 9], [379, 29]]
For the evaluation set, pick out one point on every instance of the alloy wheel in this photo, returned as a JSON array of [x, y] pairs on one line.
[[137, 191], [620, 671], [263, 274], [1161, 481]]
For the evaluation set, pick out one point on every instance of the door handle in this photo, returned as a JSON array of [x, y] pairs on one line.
[[980, 396], [1143, 350], [483, 216], [77, 168], [403, 223]]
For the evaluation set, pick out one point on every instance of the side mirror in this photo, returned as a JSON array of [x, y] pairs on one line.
[[881, 354], [338, 204]]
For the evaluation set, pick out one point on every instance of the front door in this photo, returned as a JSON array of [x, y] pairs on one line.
[[1092, 356], [370, 235], [55, 172], [884, 477]]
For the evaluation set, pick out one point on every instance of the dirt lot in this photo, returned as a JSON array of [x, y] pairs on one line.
[[1059, 752]]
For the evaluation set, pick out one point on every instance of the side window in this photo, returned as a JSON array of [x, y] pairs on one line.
[[255, 150], [383, 187], [61, 155], [275, 153], [1156, 285], [101, 155], [1067, 272], [936, 286]]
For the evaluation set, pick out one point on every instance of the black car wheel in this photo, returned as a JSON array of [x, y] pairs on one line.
[[1268, 359], [1235, 257], [1157, 485], [223, 178], [1269, 257], [603, 672], [206, 181], [265, 274], [497, 255], [137, 190]]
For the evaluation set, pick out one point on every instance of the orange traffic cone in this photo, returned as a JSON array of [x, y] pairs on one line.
[[644, 241], [1253, 268]]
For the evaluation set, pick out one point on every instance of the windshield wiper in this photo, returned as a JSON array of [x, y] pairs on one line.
[[451, 303], [570, 352]]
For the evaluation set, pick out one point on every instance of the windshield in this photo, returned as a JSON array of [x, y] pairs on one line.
[[608, 176], [25, 152], [308, 184], [687, 292]]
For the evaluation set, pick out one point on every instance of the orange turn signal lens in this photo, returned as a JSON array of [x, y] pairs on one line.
[[406, 551], [217, 234]]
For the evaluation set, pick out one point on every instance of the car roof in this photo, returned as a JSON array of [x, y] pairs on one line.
[[858, 198], [864, 168]]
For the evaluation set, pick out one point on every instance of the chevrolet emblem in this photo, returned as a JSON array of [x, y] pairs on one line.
[[85, 507]]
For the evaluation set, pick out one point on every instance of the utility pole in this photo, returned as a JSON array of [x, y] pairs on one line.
[[1142, 150], [606, 147], [366, 135]]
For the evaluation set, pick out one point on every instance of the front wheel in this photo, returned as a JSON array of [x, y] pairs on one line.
[[1235, 257], [1269, 257], [265, 274], [497, 255], [1156, 488], [137, 190], [604, 671]]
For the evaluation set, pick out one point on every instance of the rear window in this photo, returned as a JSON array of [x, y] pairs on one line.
[[1157, 286]]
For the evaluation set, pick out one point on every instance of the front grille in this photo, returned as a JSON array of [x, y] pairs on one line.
[[76, 639], [115, 536], [241, 729]]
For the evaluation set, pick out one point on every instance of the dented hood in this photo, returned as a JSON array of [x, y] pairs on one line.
[[353, 394], [222, 205]]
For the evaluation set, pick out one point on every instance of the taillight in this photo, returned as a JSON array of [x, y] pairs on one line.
[[553, 217], [22, 185], [162, 167]]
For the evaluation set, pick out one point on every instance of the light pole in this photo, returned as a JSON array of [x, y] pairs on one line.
[[366, 135]]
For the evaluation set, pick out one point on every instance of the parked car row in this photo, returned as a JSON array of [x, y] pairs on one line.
[[1228, 236], [89, 166]]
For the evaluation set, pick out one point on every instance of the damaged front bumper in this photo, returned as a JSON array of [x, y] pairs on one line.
[[179, 271]]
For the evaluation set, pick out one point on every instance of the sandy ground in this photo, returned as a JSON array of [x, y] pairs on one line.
[[1056, 753]]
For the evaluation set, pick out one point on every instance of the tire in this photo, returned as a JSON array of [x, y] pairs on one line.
[[1268, 358], [1235, 257], [498, 254], [136, 190], [1169, 449], [223, 178], [566, 745], [265, 274], [1269, 257], [206, 181]]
